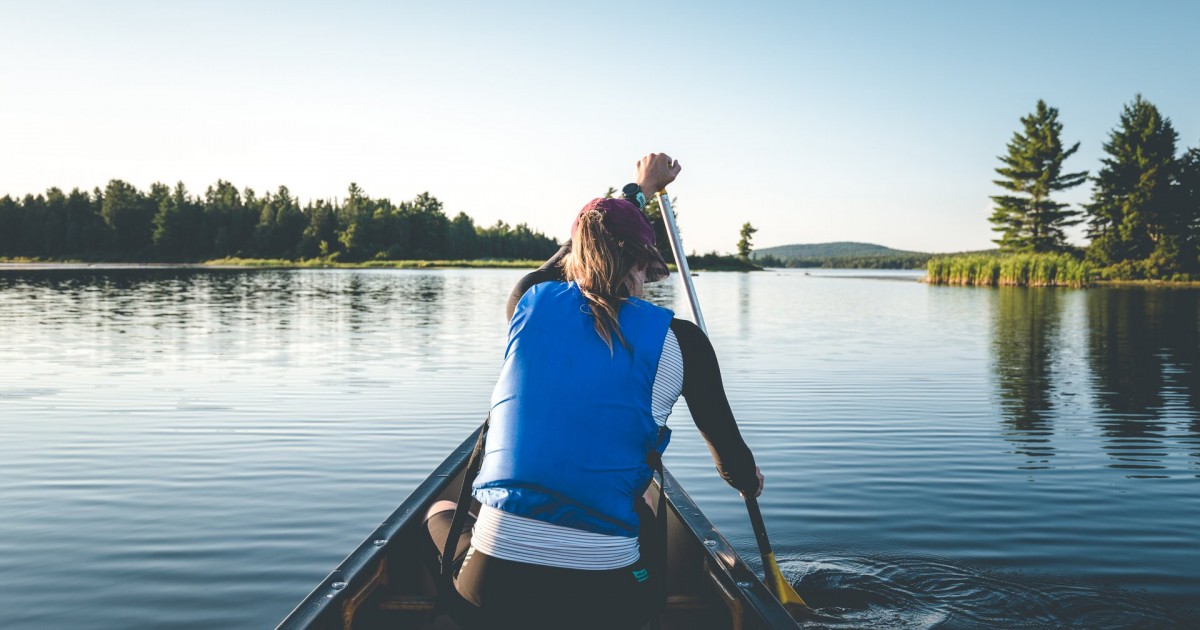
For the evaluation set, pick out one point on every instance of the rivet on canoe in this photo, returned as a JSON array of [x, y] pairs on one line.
[[708, 542], [380, 542], [744, 584], [337, 586]]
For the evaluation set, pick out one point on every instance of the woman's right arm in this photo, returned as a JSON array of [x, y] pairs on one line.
[[705, 395]]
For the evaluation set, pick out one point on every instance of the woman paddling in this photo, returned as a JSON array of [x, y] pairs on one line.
[[590, 375]]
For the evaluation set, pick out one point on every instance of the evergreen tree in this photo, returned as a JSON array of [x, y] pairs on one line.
[[744, 245], [177, 225], [54, 224], [86, 232], [181, 229], [223, 219], [287, 223], [1131, 210], [33, 215], [463, 240], [280, 225], [354, 224], [395, 227], [320, 235], [130, 216], [10, 225], [1188, 199], [430, 229], [244, 221], [1028, 218]]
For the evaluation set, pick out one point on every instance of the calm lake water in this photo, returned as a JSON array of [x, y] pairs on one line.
[[197, 449]]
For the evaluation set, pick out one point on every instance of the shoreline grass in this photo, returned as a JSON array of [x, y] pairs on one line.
[[1018, 270]]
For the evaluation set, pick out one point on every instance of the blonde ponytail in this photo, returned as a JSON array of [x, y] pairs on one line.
[[600, 266]]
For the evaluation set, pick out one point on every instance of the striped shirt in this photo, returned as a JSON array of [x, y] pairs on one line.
[[520, 539]]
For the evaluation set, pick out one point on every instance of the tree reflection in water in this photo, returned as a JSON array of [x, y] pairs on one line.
[[1025, 337], [1143, 350]]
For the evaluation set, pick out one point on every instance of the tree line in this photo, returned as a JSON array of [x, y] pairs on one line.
[[1143, 219], [166, 223]]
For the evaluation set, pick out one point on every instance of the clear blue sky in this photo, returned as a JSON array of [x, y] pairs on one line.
[[821, 121]]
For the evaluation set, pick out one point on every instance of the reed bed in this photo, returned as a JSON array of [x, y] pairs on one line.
[[1015, 270]]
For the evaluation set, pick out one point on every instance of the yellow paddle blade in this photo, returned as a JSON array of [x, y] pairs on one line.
[[783, 589]]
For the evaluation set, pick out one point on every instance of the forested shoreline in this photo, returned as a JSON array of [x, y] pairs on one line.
[[169, 224], [231, 227]]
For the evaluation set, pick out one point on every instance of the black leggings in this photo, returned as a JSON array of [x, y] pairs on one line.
[[497, 593]]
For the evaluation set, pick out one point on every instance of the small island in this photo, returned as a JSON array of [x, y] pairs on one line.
[[1143, 221]]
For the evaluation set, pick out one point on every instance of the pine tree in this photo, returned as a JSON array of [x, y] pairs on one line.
[[1027, 218], [130, 216], [176, 224], [744, 245], [320, 235], [354, 223], [463, 239], [10, 226], [1131, 210], [223, 210], [85, 226]]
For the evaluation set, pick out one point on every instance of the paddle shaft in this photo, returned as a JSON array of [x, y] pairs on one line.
[[756, 519], [664, 204], [764, 545]]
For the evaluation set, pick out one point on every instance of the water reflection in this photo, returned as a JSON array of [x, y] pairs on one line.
[[426, 295], [1141, 351], [1143, 348], [744, 305], [221, 309], [1025, 335]]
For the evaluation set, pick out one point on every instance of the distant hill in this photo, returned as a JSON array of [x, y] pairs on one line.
[[841, 249], [843, 255]]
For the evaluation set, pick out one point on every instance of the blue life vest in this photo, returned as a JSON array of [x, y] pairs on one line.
[[571, 423]]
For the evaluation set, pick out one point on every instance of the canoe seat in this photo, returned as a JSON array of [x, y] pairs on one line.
[[425, 603]]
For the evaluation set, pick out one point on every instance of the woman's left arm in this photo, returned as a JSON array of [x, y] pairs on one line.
[[705, 395]]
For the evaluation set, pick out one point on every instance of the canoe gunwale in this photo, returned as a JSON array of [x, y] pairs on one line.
[[734, 574], [355, 571]]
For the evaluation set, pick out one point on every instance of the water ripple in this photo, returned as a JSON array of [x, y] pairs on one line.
[[896, 593]]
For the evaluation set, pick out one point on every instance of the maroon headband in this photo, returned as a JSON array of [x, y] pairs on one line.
[[622, 219]]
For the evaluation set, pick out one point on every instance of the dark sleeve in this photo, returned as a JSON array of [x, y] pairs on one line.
[[550, 270], [705, 395]]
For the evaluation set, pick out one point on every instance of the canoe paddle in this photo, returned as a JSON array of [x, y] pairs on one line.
[[779, 586]]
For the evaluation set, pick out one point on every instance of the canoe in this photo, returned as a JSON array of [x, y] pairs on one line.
[[385, 582]]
